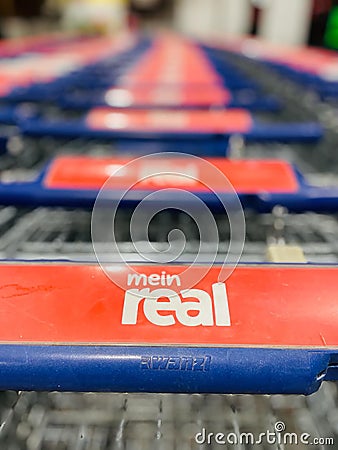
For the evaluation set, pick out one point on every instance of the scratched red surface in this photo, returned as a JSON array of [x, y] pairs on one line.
[[269, 306]]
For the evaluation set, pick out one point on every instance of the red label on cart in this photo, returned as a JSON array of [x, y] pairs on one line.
[[246, 176], [197, 121], [256, 306], [172, 60]]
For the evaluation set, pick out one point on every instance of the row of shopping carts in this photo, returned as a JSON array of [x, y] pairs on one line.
[[73, 112]]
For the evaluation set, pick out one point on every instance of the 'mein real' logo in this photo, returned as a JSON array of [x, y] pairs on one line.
[[166, 305]]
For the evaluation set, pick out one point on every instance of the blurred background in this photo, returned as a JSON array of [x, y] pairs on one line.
[[313, 22]]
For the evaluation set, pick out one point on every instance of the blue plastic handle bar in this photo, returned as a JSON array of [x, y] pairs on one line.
[[288, 132], [306, 198], [251, 103], [259, 132], [159, 369]]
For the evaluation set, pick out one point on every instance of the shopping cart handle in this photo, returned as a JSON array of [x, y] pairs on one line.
[[249, 100], [8, 115], [162, 369], [288, 132], [268, 104], [308, 198], [85, 333], [189, 126], [260, 184]]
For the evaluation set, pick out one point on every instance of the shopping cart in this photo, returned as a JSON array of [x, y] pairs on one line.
[[33, 420]]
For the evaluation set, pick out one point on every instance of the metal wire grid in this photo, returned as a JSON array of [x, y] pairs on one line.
[[69, 421], [60, 233]]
